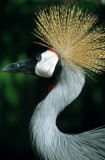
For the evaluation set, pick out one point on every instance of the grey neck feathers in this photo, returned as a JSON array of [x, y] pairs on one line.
[[43, 124]]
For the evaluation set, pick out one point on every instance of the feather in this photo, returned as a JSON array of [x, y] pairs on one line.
[[71, 34]]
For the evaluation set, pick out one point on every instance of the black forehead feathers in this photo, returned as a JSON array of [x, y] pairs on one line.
[[35, 49]]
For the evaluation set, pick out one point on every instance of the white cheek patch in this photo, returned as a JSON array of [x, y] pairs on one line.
[[46, 66]]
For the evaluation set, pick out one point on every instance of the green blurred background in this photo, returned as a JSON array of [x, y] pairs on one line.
[[19, 94]]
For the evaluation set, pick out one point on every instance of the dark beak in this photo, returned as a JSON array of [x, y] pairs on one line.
[[25, 66]]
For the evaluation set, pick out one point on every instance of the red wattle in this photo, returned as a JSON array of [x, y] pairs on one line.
[[51, 87]]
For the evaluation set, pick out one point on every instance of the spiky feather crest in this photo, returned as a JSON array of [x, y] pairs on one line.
[[70, 33]]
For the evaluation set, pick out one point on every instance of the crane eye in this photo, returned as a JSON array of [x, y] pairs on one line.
[[38, 57]]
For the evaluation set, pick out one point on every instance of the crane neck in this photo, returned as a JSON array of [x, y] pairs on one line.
[[43, 122], [67, 89]]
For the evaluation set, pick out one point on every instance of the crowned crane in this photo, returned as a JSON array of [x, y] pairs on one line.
[[75, 48]]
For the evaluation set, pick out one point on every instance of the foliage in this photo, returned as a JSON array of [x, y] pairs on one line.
[[20, 93]]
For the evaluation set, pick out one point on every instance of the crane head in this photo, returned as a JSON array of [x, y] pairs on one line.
[[41, 64], [74, 35]]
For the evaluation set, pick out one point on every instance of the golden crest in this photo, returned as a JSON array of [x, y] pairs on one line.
[[71, 34]]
